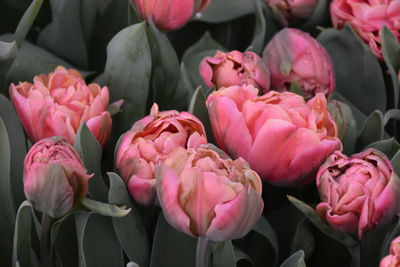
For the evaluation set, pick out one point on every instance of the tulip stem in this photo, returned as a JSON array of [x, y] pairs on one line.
[[46, 254], [203, 252]]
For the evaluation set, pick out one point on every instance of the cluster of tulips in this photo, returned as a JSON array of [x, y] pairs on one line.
[[272, 120]]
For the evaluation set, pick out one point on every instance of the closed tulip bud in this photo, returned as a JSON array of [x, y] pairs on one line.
[[234, 68], [284, 138], [169, 14], [148, 142], [393, 259], [343, 117], [293, 56], [293, 11], [367, 18], [58, 103], [55, 180], [204, 193], [358, 193]]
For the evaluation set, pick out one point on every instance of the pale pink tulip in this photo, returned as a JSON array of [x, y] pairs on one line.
[[150, 140], [234, 68], [367, 17], [393, 259], [55, 179], [293, 11], [358, 193], [204, 193], [58, 103], [284, 138], [169, 14], [294, 56]]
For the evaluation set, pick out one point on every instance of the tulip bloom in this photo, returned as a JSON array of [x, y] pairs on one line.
[[148, 142], [293, 10], [367, 17], [169, 14], [204, 193], [294, 56], [57, 104], [234, 68], [55, 179], [393, 259], [358, 193], [283, 138]]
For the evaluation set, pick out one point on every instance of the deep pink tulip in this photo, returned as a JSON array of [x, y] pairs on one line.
[[293, 10], [234, 68], [57, 104], [204, 193], [295, 56], [393, 259], [283, 138], [55, 179], [169, 14], [367, 17], [358, 193], [148, 142]]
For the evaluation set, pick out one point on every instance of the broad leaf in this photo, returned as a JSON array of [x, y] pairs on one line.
[[105, 209], [218, 12], [296, 260]]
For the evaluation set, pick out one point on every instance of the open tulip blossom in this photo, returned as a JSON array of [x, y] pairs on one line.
[[393, 259], [284, 138], [234, 68], [205, 193], [150, 141], [358, 193], [55, 179], [58, 103]]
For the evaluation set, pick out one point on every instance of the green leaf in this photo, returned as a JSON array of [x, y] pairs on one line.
[[127, 72], [90, 151], [391, 234], [320, 16], [98, 245], [130, 230], [372, 129], [225, 10], [396, 162], [303, 239], [105, 209], [388, 146], [166, 70], [64, 35], [7, 218], [391, 55], [198, 108], [224, 254], [205, 47], [257, 45], [17, 141], [186, 85], [264, 228], [360, 79], [22, 250], [172, 248], [8, 50], [296, 260], [391, 114], [313, 217], [26, 21]]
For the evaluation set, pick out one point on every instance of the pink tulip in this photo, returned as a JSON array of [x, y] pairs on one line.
[[367, 17], [358, 193], [204, 193], [169, 14], [55, 179], [283, 138], [234, 68], [294, 56], [393, 259], [148, 142], [293, 10], [57, 104]]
